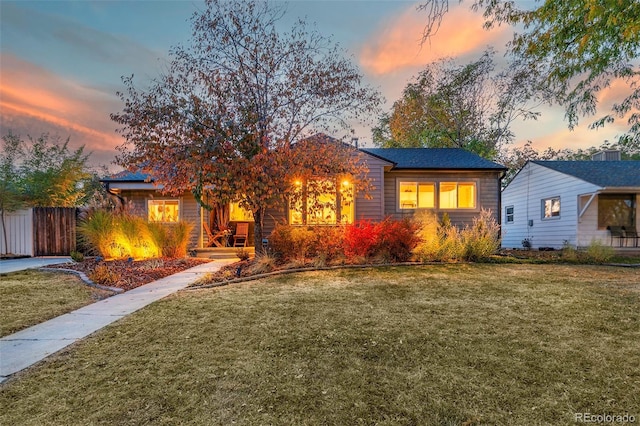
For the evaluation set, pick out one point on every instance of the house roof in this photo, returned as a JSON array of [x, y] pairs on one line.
[[433, 159], [127, 176], [624, 173]]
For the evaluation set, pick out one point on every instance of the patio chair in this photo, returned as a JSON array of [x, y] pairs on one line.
[[215, 239], [632, 234], [241, 235], [617, 232]]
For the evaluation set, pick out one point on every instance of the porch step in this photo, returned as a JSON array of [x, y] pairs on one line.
[[221, 252]]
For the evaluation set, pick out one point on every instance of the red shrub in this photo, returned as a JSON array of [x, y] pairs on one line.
[[360, 239], [397, 239]]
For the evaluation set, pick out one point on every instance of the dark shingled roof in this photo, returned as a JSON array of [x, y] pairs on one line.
[[127, 176], [601, 173], [433, 159]]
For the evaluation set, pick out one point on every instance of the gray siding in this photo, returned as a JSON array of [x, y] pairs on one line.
[[189, 209], [525, 193], [487, 196], [372, 208]]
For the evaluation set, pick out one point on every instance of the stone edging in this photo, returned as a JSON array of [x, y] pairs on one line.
[[293, 271], [84, 278]]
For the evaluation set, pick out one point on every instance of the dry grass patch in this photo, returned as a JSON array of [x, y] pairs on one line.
[[31, 297], [449, 344]]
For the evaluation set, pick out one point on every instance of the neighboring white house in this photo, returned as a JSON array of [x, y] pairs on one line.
[[550, 203]]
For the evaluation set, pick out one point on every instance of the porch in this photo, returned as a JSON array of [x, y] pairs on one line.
[[219, 253]]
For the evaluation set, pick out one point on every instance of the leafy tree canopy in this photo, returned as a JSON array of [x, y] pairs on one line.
[[223, 120], [43, 172], [577, 48], [466, 106]]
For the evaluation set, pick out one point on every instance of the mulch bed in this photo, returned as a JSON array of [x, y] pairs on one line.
[[128, 275]]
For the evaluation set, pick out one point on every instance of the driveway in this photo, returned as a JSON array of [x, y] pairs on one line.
[[13, 265]]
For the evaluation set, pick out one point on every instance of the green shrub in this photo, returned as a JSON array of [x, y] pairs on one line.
[[76, 256], [443, 242], [117, 236], [133, 238], [569, 252], [177, 239], [96, 232], [598, 253], [482, 238]]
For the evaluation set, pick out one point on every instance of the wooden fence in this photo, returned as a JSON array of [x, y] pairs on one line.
[[54, 231], [40, 231]]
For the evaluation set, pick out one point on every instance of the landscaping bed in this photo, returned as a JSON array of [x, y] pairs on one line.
[[128, 274]]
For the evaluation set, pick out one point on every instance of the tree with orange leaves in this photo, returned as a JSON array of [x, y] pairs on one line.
[[224, 120]]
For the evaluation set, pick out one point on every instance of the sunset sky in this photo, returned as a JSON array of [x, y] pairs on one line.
[[61, 62]]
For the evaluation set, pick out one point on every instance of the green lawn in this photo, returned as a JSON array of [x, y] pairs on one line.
[[443, 345], [31, 297]]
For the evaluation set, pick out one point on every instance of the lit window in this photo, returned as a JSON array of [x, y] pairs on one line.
[[417, 195], [164, 210], [347, 204], [454, 195], [239, 214], [551, 208], [508, 214], [322, 202]]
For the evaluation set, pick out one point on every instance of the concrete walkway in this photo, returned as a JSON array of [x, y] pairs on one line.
[[27, 347], [13, 265]]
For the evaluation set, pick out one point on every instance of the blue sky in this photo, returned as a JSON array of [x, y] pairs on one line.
[[61, 61]]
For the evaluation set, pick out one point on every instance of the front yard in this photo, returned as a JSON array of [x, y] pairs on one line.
[[31, 297], [445, 344]]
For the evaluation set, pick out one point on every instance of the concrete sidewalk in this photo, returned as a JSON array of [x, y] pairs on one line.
[[24, 348], [13, 265]]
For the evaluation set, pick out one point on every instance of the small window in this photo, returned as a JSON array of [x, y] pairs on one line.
[[551, 208], [454, 195], [508, 214], [164, 210], [420, 195]]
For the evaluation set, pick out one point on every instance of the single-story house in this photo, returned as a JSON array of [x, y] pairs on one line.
[[552, 203], [403, 180]]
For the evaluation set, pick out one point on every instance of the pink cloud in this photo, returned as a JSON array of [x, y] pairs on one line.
[[397, 44], [34, 100]]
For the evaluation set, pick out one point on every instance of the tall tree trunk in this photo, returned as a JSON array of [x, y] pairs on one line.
[[258, 217], [4, 232]]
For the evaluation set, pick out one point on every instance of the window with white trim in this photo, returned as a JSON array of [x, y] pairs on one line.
[[551, 208], [165, 211], [508, 214]]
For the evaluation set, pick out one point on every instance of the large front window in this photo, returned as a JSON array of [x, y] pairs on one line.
[[322, 202], [616, 210], [423, 195], [163, 210]]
